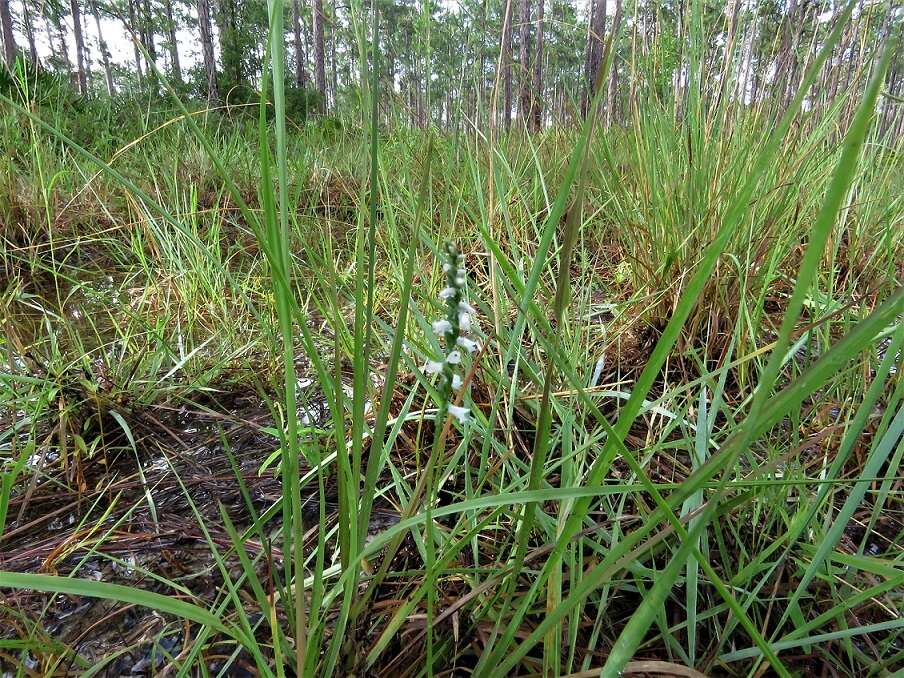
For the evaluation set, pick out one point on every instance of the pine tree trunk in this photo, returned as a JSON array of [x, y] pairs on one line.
[[537, 89], [48, 32], [728, 61], [794, 69], [175, 67], [613, 70], [228, 17], [595, 31], [507, 65], [837, 56], [588, 55], [134, 31], [852, 61], [784, 56], [632, 90], [64, 51], [807, 61], [301, 78], [148, 39], [319, 67], [334, 76], [483, 31], [892, 80], [390, 67], [104, 51], [524, 69], [210, 63], [682, 37], [29, 32], [79, 48], [746, 61], [6, 28]]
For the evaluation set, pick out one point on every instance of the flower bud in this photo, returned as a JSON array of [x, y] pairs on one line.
[[468, 344], [463, 414], [433, 367], [440, 327]]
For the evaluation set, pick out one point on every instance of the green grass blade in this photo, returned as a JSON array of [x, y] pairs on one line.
[[123, 594]]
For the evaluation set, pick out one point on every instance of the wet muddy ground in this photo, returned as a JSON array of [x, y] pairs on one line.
[[129, 510], [129, 519]]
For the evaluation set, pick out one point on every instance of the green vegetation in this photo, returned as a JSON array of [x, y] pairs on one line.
[[258, 415]]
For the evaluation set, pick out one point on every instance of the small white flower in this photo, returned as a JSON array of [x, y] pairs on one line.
[[468, 344], [464, 322], [440, 327], [446, 268], [465, 307], [453, 358], [433, 367], [461, 271], [447, 293], [463, 414], [460, 281], [456, 382]]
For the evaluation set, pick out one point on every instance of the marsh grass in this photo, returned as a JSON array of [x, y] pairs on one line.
[[685, 435]]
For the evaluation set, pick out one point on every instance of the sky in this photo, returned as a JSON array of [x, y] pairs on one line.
[[118, 42]]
